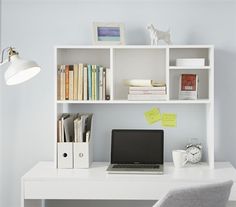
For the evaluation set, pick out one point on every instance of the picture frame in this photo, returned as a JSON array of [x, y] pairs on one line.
[[108, 33]]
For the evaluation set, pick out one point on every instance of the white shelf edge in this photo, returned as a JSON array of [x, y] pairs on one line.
[[133, 46], [200, 101], [189, 68]]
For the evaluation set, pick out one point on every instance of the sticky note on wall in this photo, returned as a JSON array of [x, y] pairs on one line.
[[168, 120], [153, 115]]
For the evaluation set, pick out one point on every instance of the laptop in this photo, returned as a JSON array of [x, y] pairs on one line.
[[136, 151]]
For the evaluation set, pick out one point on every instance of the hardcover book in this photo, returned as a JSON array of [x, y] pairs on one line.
[[188, 86], [89, 82], [75, 82], [101, 83], [85, 83], [63, 82], [93, 82], [67, 82], [71, 82], [80, 82]]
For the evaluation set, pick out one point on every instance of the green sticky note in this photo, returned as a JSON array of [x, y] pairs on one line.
[[168, 120], [153, 115]]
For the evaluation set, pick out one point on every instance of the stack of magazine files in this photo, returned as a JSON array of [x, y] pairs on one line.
[[74, 127]]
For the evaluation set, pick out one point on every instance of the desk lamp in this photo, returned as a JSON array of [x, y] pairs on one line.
[[19, 70]]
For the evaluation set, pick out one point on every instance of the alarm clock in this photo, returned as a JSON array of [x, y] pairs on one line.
[[194, 153]]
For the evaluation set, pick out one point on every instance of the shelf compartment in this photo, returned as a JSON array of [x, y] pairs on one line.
[[203, 84], [137, 63], [176, 53]]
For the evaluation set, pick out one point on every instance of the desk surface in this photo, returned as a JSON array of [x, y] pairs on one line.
[[45, 182]]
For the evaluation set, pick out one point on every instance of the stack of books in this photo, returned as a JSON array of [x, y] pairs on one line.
[[83, 82], [146, 90]]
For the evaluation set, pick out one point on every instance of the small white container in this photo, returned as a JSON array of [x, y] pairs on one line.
[[190, 62]]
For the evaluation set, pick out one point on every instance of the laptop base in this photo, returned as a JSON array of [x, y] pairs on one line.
[[129, 170]]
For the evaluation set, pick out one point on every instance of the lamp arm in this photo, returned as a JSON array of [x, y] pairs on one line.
[[2, 55]]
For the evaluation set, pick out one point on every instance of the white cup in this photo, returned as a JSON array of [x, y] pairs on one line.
[[179, 158]]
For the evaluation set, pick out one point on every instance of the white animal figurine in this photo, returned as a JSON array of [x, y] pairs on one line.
[[157, 35]]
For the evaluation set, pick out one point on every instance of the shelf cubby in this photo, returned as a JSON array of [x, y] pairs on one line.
[[137, 63], [203, 82], [190, 52]]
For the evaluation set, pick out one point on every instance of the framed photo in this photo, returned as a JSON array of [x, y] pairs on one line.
[[108, 33]]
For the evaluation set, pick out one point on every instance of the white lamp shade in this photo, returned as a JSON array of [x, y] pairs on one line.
[[20, 70]]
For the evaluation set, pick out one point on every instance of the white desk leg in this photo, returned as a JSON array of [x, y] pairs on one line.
[[28, 202]]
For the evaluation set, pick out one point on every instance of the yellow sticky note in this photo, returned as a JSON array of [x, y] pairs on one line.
[[168, 120], [153, 115]]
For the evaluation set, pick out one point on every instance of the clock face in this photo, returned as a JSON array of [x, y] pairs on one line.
[[194, 154]]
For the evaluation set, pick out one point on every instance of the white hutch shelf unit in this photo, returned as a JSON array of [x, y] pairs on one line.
[[145, 62]]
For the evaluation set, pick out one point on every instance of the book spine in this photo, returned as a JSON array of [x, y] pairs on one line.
[[75, 96], [71, 81], [58, 82], [149, 88], [85, 83], [89, 82], [132, 97], [100, 83], [93, 81], [104, 84], [67, 82], [80, 82], [136, 92], [108, 84], [97, 83], [63, 82], [145, 83]]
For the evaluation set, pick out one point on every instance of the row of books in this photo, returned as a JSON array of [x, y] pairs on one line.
[[146, 90], [83, 82], [74, 127]]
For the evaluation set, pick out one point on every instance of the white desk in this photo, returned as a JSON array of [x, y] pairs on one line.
[[45, 182]]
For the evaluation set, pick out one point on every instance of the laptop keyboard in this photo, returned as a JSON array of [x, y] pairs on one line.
[[136, 166]]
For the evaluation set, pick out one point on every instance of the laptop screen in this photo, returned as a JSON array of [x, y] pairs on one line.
[[137, 146]]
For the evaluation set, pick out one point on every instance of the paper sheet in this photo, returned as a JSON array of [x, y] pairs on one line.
[[168, 120], [153, 115]]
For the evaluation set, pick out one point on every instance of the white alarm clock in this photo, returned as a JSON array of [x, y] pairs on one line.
[[194, 153]]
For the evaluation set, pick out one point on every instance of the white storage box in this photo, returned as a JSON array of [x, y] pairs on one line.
[[190, 62], [82, 154], [65, 155]]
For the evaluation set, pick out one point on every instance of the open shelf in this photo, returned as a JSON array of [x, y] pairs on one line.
[[203, 83], [199, 101], [198, 52], [137, 63]]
